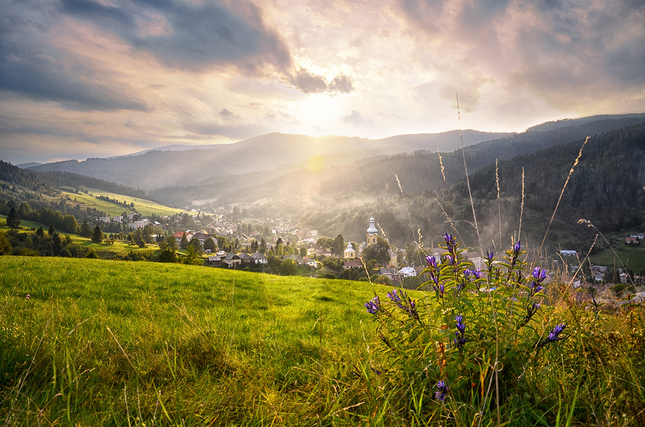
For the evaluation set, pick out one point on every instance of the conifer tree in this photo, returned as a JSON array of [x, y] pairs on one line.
[[13, 219], [97, 235]]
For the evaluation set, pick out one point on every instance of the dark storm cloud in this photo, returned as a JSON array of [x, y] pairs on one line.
[[308, 82], [200, 36], [42, 73]]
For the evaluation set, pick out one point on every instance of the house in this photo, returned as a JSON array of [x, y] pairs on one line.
[[202, 237], [116, 219], [178, 235], [138, 224], [638, 236], [394, 258], [350, 264], [408, 272], [105, 219], [390, 273], [231, 260], [312, 263], [566, 252], [259, 258], [476, 259], [214, 261], [632, 241], [297, 258], [246, 258]]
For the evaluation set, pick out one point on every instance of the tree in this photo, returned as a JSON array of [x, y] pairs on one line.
[[40, 232], [97, 234], [209, 244], [263, 246], [184, 241], [86, 231], [288, 267], [13, 220], [195, 243], [168, 250], [5, 245], [192, 257], [338, 247], [51, 230], [303, 251], [279, 249], [378, 252]]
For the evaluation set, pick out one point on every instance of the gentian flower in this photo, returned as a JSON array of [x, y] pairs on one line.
[[432, 262], [373, 305], [443, 390], [460, 334], [517, 247], [394, 296], [554, 335], [539, 274], [490, 256], [450, 242]]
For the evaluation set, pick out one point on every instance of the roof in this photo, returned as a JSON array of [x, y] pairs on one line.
[[258, 255], [372, 228]]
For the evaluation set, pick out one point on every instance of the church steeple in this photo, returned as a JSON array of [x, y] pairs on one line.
[[372, 232]]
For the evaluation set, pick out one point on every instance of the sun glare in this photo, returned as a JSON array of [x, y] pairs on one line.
[[320, 112]]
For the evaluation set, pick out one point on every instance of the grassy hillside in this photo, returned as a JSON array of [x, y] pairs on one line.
[[99, 341], [143, 206]]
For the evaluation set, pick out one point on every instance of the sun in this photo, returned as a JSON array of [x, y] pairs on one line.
[[320, 111]]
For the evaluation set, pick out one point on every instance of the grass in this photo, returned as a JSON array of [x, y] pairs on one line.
[[632, 257], [143, 206], [103, 342]]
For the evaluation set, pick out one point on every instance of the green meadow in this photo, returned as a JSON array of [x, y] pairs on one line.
[[102, 342], [143, 206]]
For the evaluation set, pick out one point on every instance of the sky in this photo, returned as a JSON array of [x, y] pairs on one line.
[[98, 78]]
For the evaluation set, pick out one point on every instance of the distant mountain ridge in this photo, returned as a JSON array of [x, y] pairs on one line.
[[158, 169]]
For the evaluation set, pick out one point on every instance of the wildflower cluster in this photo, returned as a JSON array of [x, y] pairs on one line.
[[477, 314]]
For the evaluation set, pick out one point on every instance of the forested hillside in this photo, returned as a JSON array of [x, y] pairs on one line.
[[606, 186]]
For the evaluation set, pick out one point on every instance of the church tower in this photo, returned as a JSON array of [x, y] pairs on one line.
[[372, 232]]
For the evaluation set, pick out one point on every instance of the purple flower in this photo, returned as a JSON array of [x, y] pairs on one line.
[[475, 273], [450, 242], [517, 247], [554, 335], [460, 334], [490, 256], [450, 259], [443, 390], [539, 274], [373, 305], [460, 324], [432, 262], [394, 296]]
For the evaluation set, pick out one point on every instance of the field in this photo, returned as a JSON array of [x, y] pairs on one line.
[[143, 206], [102, 342], [632, 257]]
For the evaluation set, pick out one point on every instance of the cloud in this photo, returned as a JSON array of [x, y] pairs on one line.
[[311, 83], [199, 36], [556, 49], [355, 119], [41, 72]]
